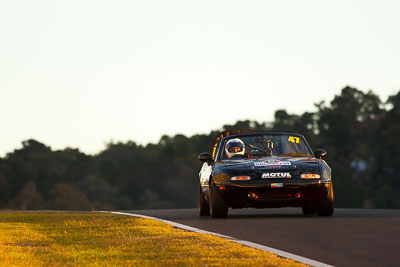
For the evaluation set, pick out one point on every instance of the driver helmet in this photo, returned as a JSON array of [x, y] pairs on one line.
[[234, 147]]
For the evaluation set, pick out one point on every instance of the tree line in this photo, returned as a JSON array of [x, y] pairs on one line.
[[359, 131]]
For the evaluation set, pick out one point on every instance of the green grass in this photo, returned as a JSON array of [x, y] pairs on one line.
[[73, 239]]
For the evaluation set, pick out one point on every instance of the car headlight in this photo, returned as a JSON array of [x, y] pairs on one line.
[[240, 178], [310, 176]]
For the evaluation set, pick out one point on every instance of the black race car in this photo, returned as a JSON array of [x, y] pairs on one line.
[[263, 170]]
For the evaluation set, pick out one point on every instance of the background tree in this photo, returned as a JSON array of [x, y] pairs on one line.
[[359, 132]]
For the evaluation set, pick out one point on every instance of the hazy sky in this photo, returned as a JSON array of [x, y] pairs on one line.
[[80, 73]]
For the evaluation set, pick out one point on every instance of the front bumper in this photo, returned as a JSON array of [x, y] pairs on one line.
[[269, 194]]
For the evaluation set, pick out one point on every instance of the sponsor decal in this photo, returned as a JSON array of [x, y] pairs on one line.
[[276, 175], [275, 185], [272, 163], [294, 139]]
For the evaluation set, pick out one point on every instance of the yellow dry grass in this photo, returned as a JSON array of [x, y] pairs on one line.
[[98, 239]]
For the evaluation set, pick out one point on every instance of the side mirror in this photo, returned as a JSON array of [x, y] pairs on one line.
[[320, 153], [205, 157]]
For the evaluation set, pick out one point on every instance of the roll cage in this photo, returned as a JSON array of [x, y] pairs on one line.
[[217, 148]]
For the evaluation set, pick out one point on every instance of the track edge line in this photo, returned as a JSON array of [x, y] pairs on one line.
[[278, 252]]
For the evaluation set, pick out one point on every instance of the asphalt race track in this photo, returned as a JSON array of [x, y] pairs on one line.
[[352, 237]]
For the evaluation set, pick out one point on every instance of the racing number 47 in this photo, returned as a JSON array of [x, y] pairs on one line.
[[294, 139]]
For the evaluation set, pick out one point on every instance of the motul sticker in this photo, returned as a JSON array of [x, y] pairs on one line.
[[276, 175], [272, 162]]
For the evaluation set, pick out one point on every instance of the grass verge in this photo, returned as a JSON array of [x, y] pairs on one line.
[[60, 238]]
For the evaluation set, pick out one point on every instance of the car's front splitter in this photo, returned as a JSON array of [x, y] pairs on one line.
[[273, 194]]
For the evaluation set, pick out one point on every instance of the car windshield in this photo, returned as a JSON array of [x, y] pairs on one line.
[[271, 145]]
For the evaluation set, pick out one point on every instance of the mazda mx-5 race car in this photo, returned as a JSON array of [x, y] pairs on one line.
[[263, 170]]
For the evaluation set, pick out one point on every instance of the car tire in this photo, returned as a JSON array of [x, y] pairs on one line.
[[202, 204], [218, 208], [308, 209], [326, 206]]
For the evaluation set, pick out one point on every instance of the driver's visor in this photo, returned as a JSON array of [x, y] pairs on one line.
[[235, 149]]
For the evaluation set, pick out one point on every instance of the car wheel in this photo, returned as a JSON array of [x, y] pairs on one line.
[[307, 209], [326, 206], [218, 208], [202, 204]]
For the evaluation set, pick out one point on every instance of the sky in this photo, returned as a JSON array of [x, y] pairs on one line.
[[82, 73]]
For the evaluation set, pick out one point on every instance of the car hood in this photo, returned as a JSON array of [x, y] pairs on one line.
[[272, 163]]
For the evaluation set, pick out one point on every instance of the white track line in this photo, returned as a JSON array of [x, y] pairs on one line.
[[278, 252]]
